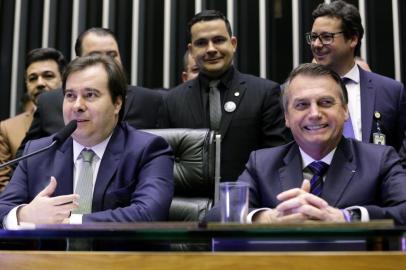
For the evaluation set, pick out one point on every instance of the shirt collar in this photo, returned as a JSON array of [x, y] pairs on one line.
[[98, 149], [306, 159], [225, 79], [353, 74]]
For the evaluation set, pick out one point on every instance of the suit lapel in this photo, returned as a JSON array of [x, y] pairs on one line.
[[291, 175], [108, 167], [193, 98], [367, 104], [64, 168], [235, 94], [340, 173]]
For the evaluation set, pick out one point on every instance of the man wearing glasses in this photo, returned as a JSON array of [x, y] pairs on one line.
[[377, 104]]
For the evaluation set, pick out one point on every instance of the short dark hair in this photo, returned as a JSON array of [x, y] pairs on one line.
[[315, 70], [44, 54], [98, 31], [209, 15], [117, 82], [351, 23]]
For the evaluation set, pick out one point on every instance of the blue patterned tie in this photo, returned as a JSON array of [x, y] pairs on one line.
[[319, 168]]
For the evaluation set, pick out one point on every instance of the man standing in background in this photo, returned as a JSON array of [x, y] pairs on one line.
[[243, 108], [377, 104]]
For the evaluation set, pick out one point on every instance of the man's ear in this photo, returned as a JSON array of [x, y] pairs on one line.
[[286, 121], [354, 41], [184, 76], [234, 42], [118, 104]]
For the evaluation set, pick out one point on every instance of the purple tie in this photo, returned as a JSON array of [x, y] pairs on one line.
[[319, 168], [348, 130]]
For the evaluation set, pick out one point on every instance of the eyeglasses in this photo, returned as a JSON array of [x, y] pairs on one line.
[[325, 38]]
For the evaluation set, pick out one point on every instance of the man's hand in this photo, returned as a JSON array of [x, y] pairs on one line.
[[298, 205], [44, 209]]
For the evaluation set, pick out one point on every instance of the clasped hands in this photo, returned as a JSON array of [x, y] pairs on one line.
[[44, 209], [299, 205]]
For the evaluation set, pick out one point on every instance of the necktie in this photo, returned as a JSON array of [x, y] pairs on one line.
[[348, 130], [84, 186], [214, 105], [319, 168]]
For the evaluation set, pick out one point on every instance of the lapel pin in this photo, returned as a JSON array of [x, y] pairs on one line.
[[230, 106], [237, 94]]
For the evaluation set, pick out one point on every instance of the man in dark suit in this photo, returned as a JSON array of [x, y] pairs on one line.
[[130, 177], [244, 109], [350, 180], [141, 103], [377, 104]]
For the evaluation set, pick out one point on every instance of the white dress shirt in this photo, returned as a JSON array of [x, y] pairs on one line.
[[354, 100]]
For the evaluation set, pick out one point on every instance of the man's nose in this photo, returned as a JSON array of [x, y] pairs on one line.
[[40, 82], [314, 110], [211, 48], [317, 43], [79, 104]]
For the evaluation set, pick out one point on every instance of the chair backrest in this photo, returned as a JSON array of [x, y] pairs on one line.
[[194, 171]]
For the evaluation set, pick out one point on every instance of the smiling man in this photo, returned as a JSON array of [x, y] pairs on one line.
[[377, 104], [348, 180], [105, 172], [243, 108]]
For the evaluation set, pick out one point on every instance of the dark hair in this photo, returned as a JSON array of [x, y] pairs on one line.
[[351, 23], [95, 30], [209, 15], [314, 70], [117, 82], [43, 54]]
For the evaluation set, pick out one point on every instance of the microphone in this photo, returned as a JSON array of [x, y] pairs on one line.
[[58, 139]]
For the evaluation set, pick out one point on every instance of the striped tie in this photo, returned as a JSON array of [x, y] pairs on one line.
[[214, 105], [319, 168], [84, 186]]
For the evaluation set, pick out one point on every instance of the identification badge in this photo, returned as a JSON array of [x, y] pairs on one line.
[[379, 138]]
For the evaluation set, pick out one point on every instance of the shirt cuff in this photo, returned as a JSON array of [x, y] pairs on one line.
[[75, 219], [10, 222], [363, 210], [252, 213]]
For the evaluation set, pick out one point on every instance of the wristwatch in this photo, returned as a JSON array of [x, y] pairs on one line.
[[355, 215]]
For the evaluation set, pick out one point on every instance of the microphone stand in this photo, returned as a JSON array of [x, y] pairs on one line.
[[28, 155]]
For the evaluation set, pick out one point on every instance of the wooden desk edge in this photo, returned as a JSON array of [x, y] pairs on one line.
[[60, 260]]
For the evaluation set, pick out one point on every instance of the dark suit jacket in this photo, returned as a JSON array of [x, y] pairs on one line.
[[360, 174], [387, 96], [140, 110], [134, 182], [257, 121]]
